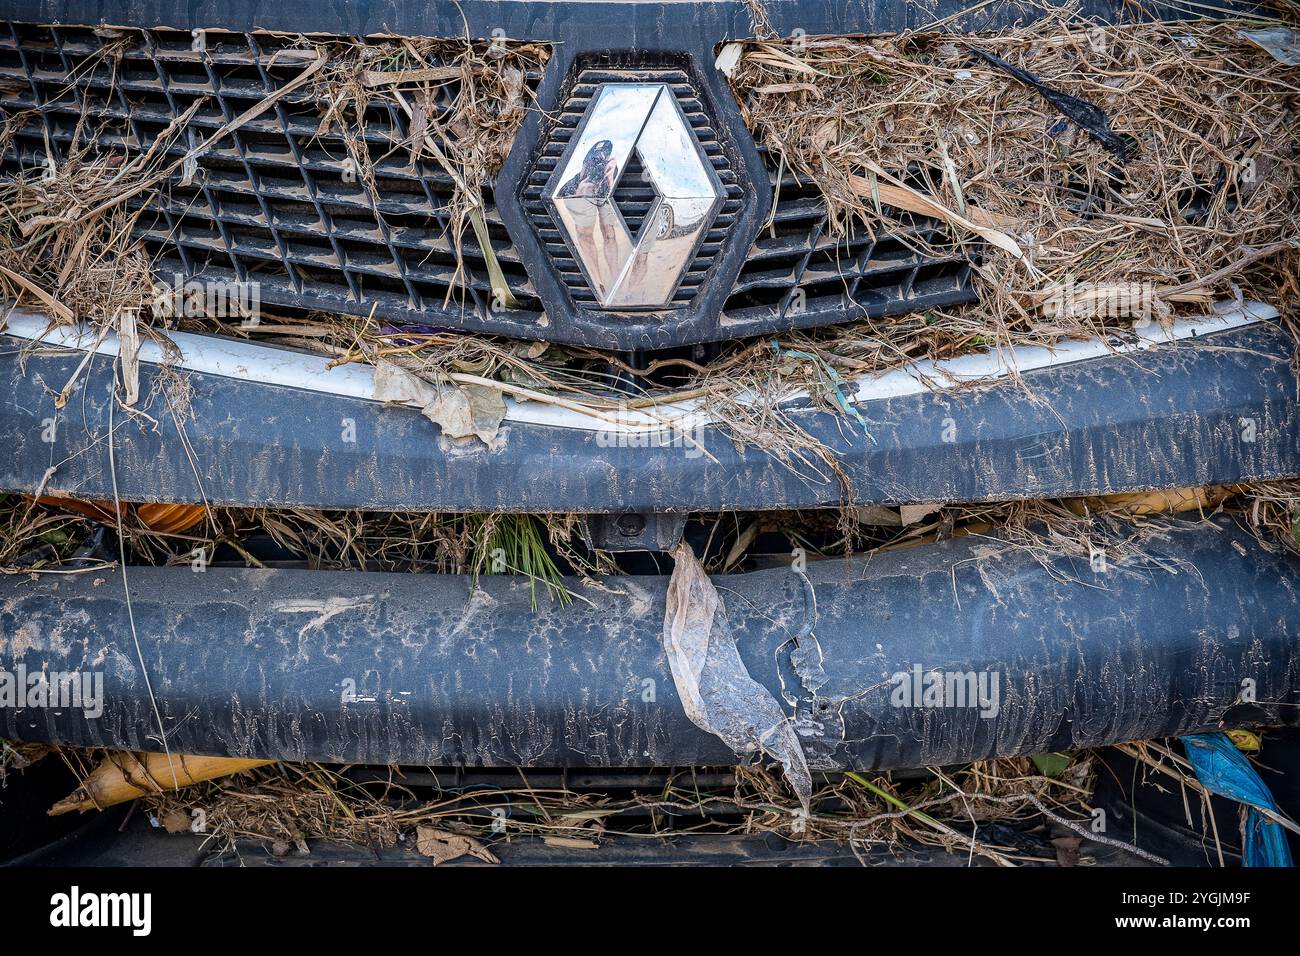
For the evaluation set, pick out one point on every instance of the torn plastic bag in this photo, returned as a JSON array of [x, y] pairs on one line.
[[1282, 43], [717, 692], [1224, 770]]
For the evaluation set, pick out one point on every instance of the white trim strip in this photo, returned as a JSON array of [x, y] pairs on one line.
[[995, 364], [274, 365]]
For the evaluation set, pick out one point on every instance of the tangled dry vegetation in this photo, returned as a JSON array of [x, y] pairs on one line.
[[66, 228], [62, 536], [285, 808], [1186, 178], [468, 133], [1074, 241], [1272, 510], [1203, 203], [1006, 811]]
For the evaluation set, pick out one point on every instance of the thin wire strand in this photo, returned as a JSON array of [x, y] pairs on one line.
[[126, 590]]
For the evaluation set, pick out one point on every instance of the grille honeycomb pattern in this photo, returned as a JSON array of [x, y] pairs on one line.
[[278, 201], [797, 275]]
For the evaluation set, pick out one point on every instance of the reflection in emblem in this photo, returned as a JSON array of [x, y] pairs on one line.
[[597, 176], [639, 271]]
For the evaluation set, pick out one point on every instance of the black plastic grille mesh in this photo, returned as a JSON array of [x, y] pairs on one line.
[[278, 201], [632, 195], [796, 274]]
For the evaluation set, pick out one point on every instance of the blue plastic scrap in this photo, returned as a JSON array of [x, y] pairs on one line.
[[1224, 770], [837, 384]]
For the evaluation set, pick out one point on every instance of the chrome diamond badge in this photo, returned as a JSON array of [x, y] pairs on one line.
[[629, 123]]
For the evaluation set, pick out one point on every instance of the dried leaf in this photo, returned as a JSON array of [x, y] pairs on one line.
[[442, 846], [895, 192], [176, 821], [570, 843], [877, 515], [460, 410], [123, 776], [128, 336], [468, 410], [911, 514], [396, 384]]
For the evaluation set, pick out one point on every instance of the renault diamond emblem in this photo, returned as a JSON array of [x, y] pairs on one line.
[[623, 122]]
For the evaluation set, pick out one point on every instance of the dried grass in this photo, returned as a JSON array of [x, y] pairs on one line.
[[469, 136], [65, 235], [65, 229], [19, 755], [290, 804], [1203, 108], [1212, 116], [1207, 204], [1210, 186], [987, 808], [744, 390], [61, 536], [54, 537], [1271, 510]]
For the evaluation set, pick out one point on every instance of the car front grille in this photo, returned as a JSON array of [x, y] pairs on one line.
[[280, 201], [797, 272]]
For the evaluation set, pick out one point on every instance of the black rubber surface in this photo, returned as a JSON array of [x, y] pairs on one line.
[[1223, 409], [390, 668]]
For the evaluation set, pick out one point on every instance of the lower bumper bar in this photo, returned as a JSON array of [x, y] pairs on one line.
[[1219, 406], [1201, 632]]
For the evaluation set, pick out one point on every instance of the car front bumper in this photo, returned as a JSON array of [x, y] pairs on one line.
[[1199, 630], [1211, 402]]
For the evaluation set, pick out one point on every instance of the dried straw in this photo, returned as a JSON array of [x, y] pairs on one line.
[[1209, 188]]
